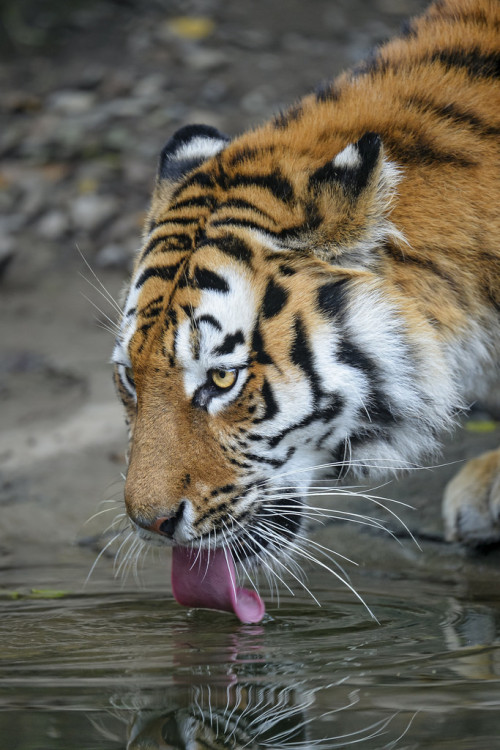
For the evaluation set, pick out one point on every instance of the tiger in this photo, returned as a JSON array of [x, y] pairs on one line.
[[320, 295]]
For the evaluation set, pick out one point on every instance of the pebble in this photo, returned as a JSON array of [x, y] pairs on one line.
[[113, 256], [206, 59], [53, 225], [91, 212], [71, 102]]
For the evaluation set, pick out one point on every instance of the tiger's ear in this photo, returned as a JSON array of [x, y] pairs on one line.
[[184, 151], [187, 149], [352, 194]]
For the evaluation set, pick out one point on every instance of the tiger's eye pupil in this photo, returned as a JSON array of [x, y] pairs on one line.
[[223, 378]]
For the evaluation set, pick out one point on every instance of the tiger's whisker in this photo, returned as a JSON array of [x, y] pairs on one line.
[[114, 325], [105, 292], [113, 539]]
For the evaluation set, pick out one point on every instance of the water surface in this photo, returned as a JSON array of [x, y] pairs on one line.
[[131, 669]]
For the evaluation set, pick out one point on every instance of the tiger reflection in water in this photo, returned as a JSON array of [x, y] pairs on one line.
[[254, 716]]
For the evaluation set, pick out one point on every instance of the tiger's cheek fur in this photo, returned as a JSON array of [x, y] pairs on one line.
[[177, 454]]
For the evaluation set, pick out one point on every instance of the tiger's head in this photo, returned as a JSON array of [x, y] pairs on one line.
[[246, 358]]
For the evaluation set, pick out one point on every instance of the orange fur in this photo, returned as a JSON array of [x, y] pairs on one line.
[[434, 100]]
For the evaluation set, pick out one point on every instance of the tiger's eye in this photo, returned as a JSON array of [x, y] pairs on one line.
[[223, 378], [129, 374]]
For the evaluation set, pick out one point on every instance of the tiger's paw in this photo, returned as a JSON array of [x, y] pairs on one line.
[[471, 503]]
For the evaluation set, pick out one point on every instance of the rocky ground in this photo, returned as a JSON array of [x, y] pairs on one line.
[[90, 92]]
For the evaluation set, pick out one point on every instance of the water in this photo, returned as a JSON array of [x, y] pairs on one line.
[[131, 669]]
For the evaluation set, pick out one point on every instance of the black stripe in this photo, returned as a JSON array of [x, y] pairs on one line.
[[380, 409], [478, 17], [167, 273], [153, 312], [261, 356], [231, 341], [245, 205], [276, 462], [154, 305], [225, 490], [183, 241], [242, 155], [209, 319], [144, 331], [206, 279], [233, 246], [236, 222], [349, 354], [270, 403], [326, 414], [412, 148], [454, 114], [286, 270], [177, 220], [219, 508], [275, 298], [197, 201], [301, 355], [202, 179], [284, 119], [277, 185], [327, 92], [474, 62], [333, 298], [429, 265]]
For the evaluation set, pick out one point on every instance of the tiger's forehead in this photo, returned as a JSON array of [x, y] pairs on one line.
[[207, 289]]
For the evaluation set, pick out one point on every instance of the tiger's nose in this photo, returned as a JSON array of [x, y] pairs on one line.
[[166, 525]]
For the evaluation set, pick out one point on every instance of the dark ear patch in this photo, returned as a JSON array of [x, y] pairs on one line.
[[353, 166], [187, 149]]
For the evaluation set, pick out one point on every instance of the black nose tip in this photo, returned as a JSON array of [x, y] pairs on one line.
[[166, 525]]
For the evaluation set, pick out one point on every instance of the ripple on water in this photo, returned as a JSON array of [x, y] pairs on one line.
[[428, 669]]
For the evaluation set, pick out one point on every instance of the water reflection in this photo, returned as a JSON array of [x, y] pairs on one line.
[[472, 632], [138, 672], [255, 716], [240, 697]]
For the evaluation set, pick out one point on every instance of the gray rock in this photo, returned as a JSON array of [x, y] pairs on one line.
[[206, 59], [71, 102], [53, 225], [90, 212], [113, 256]]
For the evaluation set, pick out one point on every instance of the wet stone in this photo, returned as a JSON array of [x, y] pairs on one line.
[[113, 256], [90, 212], [53, 225], [71, 102]]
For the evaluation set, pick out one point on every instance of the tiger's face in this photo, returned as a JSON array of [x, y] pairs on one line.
[[227, 406], [244, 358]]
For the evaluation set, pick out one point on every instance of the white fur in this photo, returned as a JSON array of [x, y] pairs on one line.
[[234, 311], [349, 157], [199, 147]]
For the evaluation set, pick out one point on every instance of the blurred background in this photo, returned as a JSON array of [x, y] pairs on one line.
[[91, 89]]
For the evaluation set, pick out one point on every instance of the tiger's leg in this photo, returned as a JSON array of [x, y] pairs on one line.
[[471, 504]]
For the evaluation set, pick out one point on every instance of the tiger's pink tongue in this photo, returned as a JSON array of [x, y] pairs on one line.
[[203, 579]]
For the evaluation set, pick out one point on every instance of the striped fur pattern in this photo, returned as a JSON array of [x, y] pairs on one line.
[[342, 264]]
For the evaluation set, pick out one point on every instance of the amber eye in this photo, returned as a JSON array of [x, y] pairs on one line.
[[129, 374], [223, 378]]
